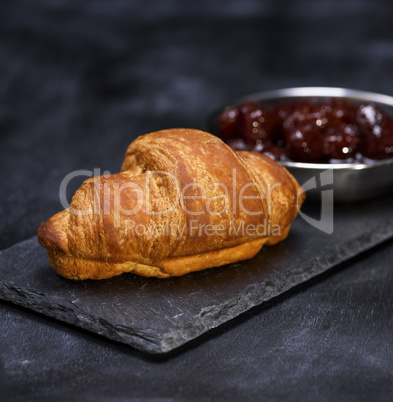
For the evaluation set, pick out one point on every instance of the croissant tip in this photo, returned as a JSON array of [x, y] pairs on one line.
[[49, 237]]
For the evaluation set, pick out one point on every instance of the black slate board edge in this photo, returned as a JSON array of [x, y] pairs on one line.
[[143, 339], [258, 293], [209, 317]]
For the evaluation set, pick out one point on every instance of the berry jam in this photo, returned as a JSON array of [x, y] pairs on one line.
[[306, 131]]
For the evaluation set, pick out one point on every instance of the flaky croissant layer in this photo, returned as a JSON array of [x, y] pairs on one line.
[[183, 201]]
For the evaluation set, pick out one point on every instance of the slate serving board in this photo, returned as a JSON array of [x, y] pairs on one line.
[[157, 316]]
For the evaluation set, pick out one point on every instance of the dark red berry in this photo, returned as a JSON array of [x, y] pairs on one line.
[[304, 145], [229, 123], [257, 126], [376, 132]]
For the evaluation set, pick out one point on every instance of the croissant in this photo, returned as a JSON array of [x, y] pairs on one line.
[[184, 201]]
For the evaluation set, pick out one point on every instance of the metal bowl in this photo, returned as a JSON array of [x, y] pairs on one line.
[[350, 181]]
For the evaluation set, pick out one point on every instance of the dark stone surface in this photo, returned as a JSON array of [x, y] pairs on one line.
[[79, 81], [328, 340], [159, 315]]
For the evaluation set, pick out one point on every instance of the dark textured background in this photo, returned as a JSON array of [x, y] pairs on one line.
[[80, 80]]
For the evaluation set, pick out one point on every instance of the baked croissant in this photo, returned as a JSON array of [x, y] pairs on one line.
[[184, 201]]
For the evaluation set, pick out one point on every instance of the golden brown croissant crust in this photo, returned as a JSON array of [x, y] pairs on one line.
[[184, 201]]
